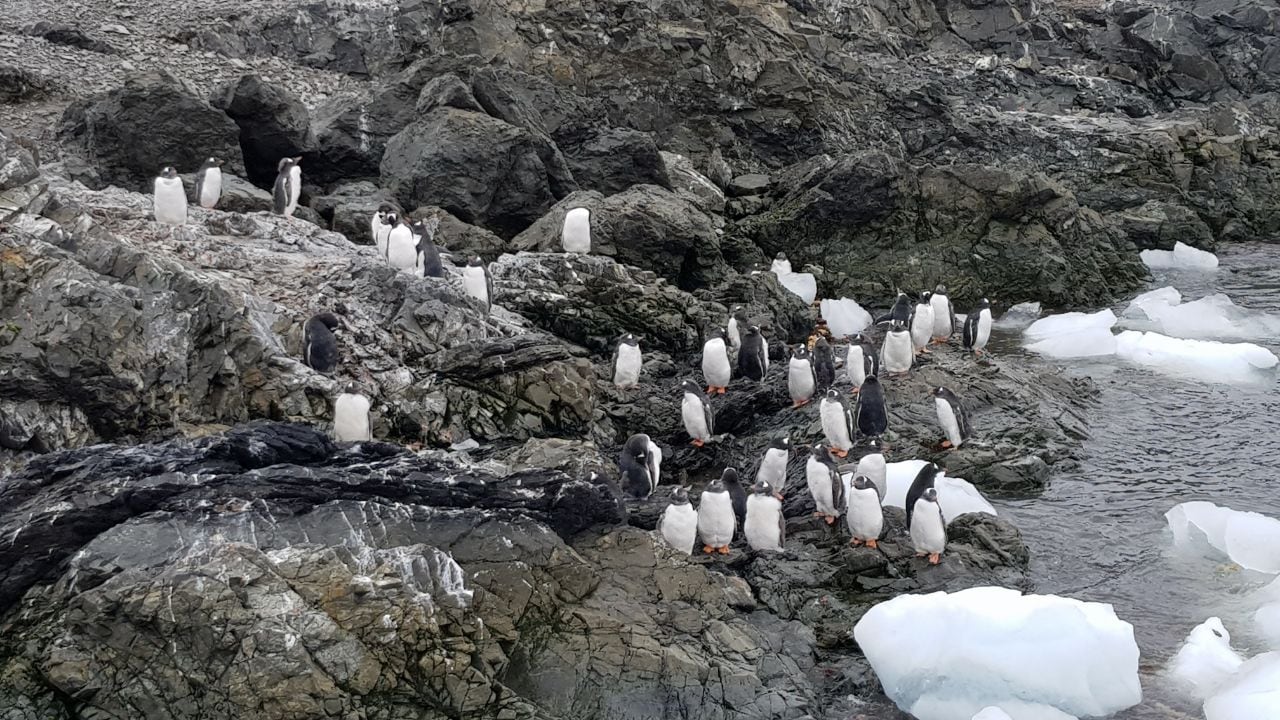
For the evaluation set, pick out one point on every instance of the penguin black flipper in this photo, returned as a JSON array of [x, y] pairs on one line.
[[924, 480], [870, 360], [199, 185], [782, 528], [837, 487], [962, 416], [708, 414], [488, 285], [970, 334]]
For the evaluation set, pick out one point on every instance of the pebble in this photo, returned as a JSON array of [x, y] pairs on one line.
[[117, 29]]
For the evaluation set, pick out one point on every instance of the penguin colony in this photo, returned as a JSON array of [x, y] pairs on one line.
[[725, 506]]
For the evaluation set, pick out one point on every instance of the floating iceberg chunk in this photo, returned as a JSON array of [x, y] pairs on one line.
[[1073, 334], [1205, 661], [1182, 257], [1253, 693], [956, 496], [1068, 323], [992, 713], [1019, 316], [1212, 316], [1267, 621], [803, 284], [1251, 540], [944, 656], [1203, 359], [845, 317]]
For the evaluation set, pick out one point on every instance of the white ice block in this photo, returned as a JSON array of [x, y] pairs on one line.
[[1251, 540], [845, 317], [1182, 257]]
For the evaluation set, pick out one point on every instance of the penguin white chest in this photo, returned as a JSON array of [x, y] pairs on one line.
[[626, 371], [715, 363], [575, 234], [984, 329], [928, 532], [800, 379], [773, 469], [402, 250], [475, 283], [716, 520], [351, 418], [835, 424], [734, 334], [695, 417], [896, 353], [947, 419], [763, 526], [680, 527], [170, 201], [818, 478], [381, 232], [941, 316], [211, 188], [655, 465], [295, 189], [855, 365], [865, 515], [874, 468], [922, 325]]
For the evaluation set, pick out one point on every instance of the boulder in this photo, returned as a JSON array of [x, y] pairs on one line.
[[60, 34], [446, 90], [17, 166], [1159, 225], [348, 208], [693, 185], [750, 184], [463, 239], [273, 123], [611, 160]]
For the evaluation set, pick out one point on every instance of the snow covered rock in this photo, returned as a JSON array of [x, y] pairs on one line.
[[1253, 693], [1203, 359], [1073, 334], [845, 317], [1205, 661], [944, 656], [1182, 257], [1251, 540]]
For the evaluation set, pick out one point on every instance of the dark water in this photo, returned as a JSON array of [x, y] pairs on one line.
[[1098, 533]]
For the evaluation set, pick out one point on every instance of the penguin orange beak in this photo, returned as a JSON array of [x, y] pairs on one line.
[[297, 160]]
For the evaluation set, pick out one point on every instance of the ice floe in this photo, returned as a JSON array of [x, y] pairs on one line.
[[1205, 661], [1212, 316], [1073, 334], [845, 317], [1019, 316], [956, 496], [1252, 693], [1182, 257], [1251, 540]]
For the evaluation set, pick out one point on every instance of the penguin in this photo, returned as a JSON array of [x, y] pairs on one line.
[[944, 314], [715, 363], [870, 414], [716, 518], [209, 183], [873, 467], [753, 359], [381, 225], [824, 363], [781, 265], [924, 480], [695, 410], [927, 527], [351, 416], [773, 467], [896, 350], [952, 417], [922, 324], [765, 527], [575, 234], [679, 522], [738, 324], [288, 186], [899, 313], [837, 422], [428, 255], [320, 347], [825, 484], [641, 464], [800, 377], [861, 361], [170, 200], [864, 512], [737, 493], [478, 283], [402, 247], [627, 362], [977, 328]]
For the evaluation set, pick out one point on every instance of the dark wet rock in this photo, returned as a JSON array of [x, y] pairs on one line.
[[273, 123], [1158, 225], [348, 208], [447, 90], [129, 134], [18, 84], [614, 159], [60, 34], [693, 185], [750, 184], [463, 239], [17, 166]]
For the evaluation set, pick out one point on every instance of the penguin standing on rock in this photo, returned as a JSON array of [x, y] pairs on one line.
[[977, 328], [861, 361], [477, 281], [928, 528], [873, 467], [679, 522], [924, 480], [384, 222], [824, 363], [695, 410], [952, 417], [640, 462], [864, 512], [575, 234], [896, 350], [737, 493], [801, 380], [781, 265], [765, 526], [870, 414], [716, 518], [427, 258], [402, 247], [773, 467], [753, 359], [944, 315], [351, 416], [837, 422], [738, 324], [288, 187], [627, 362], [899, 313], [715, 363], [825, 484], [170, 200], [209, 183], [922, 324], [320, 347]]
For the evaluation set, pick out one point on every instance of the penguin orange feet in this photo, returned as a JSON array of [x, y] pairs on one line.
[[926, 350], [799, 404], [711, 389], [696, 442], [935, 558], [722, 390], [831, 519], [856, 542], [724, 549], [839, 453], [873, 544], [707, 549], [855, 391], [946, 445]]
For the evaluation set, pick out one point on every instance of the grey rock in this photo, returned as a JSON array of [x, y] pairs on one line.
[[17, 166], [751, 184], [613, 159], [60, 34], [693, 185], [1157, 225], [447, 90], [273, 123], [348, 208]]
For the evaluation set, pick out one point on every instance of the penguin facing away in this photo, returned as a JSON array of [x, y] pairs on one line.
[[753, 359], [896, 351], [351, 421], [922, 324], [209, 183], [320, 347], [944, 315], [825, 484], [800, 376], [824, 364], [627, 362], [716, 518], [477, 282], [679, 523], [575, 234], [928, 528], [952, 417], [288, 187], [738, 324], [924, 480], [773, 467], [837, 422], [170, 198], [977, 328], [640, 463], [864, 512], [737, 493], [427, 257], [695, 410], [715, 363], [765, 526], [899, 313], [870, 414]]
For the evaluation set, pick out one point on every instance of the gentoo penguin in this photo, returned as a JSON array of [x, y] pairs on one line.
[[870, 414], [825, 484], [575, 234], [320, 347], [753, 358], [800, 376], [640, 463], [695, 410], [428, 256], [899, 313], [715, 363], [781, 265], [627, 362], [944, 314], [773, 466], [924, 480], [402, 247], [738, 324], [209, 183], [952, 417], [737, 493], [824, 363], [284, 194], [861, 361], [977, 328], [922, 323], [170, 201], [873, 467], [837, 422], [765, 527], [716, 518], [679, 522], [381, 225], [928, 528], [478, 283], [864, 512], [351, 416], [896, 350]]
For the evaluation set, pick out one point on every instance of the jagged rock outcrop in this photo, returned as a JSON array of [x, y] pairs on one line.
[[273, 123]]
